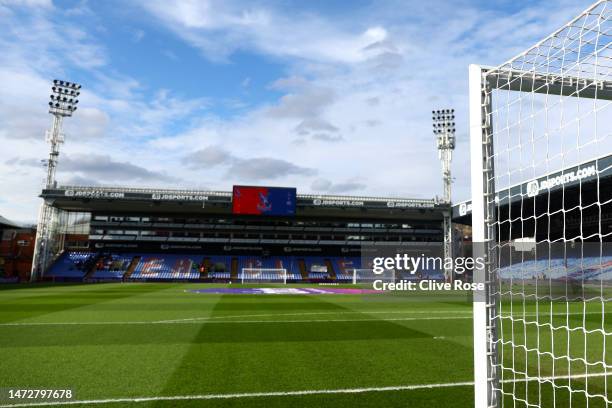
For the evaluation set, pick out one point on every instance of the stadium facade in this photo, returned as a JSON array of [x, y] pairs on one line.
[[155, 234], [111, 233], [16, 250], [576, 201]]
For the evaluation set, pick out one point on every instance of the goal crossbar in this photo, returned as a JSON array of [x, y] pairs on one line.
[[549, 84]]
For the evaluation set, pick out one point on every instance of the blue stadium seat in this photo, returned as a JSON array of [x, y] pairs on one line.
[[72, 265]]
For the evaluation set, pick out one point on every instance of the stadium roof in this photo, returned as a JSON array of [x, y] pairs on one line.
[[583, 174], [201, 202], [5, 223]]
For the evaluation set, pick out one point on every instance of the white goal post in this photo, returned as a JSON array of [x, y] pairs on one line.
[[364, 275], [271, 275], [540, 143]]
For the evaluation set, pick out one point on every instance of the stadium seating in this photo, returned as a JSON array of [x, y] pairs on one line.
[[72, 265], [317, 269], [344, 267], [89, 265], [220, 267], [111, 267], [587, 269], [166, 267], [291, 265]]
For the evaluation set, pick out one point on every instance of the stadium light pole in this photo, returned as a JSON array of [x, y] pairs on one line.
[[444, 131], [63, 103]]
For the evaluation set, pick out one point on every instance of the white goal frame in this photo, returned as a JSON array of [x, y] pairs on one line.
[[355, 271], [260, 270], [370, 271], [535, 79]]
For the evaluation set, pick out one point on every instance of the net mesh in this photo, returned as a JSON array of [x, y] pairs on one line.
[[255, 275], [549, 151]]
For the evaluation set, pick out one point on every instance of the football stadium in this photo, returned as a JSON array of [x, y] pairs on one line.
[[264, 295], [229, 236]]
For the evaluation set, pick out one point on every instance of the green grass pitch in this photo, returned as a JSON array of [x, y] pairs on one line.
[[120, 342]]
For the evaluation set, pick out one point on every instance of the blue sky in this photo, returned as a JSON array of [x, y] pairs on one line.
[[332, 97]]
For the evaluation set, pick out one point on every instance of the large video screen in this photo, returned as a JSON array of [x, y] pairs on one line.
[[249, 200]]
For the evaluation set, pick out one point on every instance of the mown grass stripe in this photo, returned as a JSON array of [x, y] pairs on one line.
[[230, 321]]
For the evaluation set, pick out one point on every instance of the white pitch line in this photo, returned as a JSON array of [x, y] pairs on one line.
[[285, 393], [466, 312], [244, 395], [213, 319], [392, 319]]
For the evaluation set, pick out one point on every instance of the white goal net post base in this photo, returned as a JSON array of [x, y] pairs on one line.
[[268, 275]]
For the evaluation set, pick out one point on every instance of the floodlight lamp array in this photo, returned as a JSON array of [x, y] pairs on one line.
[[63, 98]]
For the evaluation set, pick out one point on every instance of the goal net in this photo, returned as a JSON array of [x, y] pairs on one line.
[[257, 275], [541, 153]]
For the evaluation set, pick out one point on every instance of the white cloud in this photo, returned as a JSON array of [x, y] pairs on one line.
[[114, 113], [27, 3], [220, 28], [308, 103], [244, 168], [265, 168], [138, 35], [346, 187], [209, 157], [365, 80], [309, 125]]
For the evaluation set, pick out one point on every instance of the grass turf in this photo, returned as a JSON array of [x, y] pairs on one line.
[[148, 340]]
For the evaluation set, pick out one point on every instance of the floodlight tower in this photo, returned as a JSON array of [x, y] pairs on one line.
[[444, 130], [63, 102]]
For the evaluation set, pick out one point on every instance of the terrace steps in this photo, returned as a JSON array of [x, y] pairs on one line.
[[205, 268], [330, 269], [303, 271], [94, 266], [234, 269], [131, 267]]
